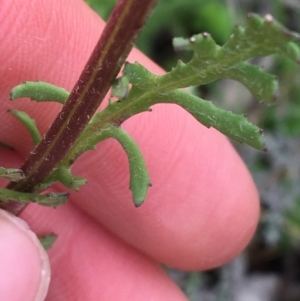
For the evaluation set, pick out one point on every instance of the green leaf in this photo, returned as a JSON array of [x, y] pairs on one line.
[[52, 199], [139, 177], [39, 91], [235, 126], [232, 125], [261, 37], [63, 175], [29, 124], [12, 174], [262, 85]]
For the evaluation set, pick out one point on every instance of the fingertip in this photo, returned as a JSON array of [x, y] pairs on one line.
[[25, 269]]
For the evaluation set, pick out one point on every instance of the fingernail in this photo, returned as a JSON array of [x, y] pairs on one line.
[[24, 264]]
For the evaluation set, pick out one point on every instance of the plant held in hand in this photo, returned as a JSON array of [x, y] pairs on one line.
[[78, 129]]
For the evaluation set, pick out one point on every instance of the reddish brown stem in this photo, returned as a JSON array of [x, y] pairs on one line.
[[109, 55]]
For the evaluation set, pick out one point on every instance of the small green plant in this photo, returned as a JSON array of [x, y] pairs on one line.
[[78, 129]]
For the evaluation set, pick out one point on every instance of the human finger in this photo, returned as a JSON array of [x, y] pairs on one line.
[[25, 268], [90, 263], [203, 199]]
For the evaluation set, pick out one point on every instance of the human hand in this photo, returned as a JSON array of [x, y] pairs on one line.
[[201, 211]]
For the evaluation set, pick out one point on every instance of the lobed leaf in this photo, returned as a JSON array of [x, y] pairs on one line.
[[261, 37]]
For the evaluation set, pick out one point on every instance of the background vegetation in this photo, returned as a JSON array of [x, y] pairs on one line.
[[270, 268]]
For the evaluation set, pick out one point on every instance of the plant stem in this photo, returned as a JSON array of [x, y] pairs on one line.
[[110, 53]]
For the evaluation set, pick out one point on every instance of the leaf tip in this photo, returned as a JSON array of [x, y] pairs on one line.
[[138, 199], [77, 182], [53, 199], [138, 204]]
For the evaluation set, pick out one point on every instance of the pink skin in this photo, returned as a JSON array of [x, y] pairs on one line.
[[201, 211]]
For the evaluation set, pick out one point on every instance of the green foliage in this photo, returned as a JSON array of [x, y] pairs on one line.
[[12, 174], [138, 89], [52, 199]]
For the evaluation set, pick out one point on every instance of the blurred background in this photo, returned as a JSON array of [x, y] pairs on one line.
[[269, 269]]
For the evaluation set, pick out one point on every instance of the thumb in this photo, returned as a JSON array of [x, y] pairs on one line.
[[24, 264]]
